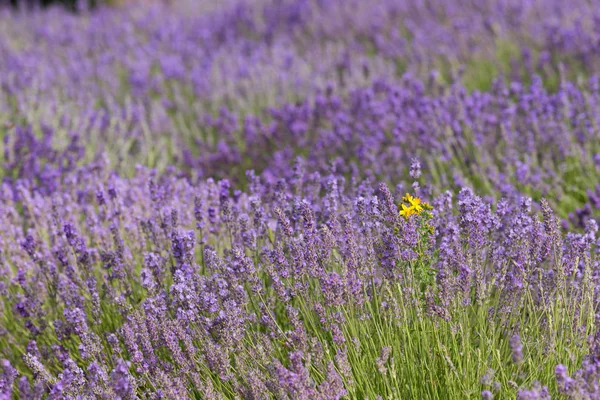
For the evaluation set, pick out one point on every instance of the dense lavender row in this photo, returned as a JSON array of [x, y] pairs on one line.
[[130, 81], [309, 287], [182, 85], [511, 141]]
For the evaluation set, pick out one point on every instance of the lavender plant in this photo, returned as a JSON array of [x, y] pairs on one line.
[[203, 102], [302, 288]]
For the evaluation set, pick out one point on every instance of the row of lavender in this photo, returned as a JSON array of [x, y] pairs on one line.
[[216, 90], [244, 53], [308, 287], [511, 141], [262, 258]]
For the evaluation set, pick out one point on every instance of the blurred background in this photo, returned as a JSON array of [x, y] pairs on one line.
[[71, 4]]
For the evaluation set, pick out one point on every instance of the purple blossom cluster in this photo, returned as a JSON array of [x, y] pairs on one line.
[[505, 143], [221, 89], [203, 200], [154, 287]]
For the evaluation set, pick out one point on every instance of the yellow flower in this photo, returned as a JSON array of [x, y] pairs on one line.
[[414, 201], [416, 206], [406, 211]]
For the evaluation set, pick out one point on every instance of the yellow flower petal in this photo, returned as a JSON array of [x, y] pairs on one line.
[[406, 211], [408, 198], [415, 201], [416, 206]]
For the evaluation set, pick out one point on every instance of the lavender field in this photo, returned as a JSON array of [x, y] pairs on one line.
[[300, 199]]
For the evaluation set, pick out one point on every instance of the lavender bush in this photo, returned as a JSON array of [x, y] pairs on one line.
[[307, 288], [216, 91], [300, 200]]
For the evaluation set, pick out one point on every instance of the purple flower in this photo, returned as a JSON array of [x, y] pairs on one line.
[[415, 169], [516, 348]]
